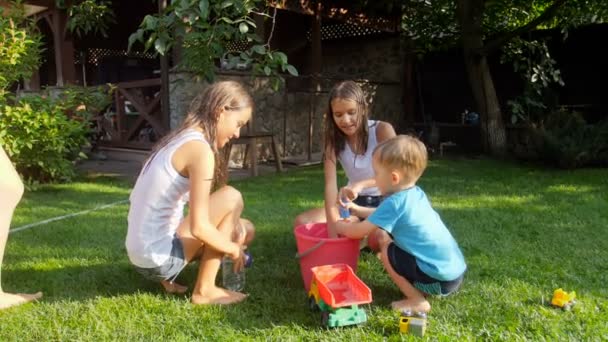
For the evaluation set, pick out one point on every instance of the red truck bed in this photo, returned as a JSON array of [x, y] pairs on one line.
[[339, 286]]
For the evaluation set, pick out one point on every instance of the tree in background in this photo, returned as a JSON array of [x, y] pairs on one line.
[[484, 27], [204, 29]]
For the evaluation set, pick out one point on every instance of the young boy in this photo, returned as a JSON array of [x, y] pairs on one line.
[[419, 253]]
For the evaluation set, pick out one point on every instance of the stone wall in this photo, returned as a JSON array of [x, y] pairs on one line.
[[284, 112]]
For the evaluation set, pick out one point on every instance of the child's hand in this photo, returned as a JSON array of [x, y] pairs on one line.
[[341, 227], [331, 230], [238, 258], [355, 209], [347, 195]]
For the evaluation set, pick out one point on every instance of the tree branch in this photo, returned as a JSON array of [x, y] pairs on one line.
[[274, 17], [498, 41]]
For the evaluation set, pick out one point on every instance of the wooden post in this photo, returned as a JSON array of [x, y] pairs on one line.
[[316, 58], [164, 80], [53, 21], [409, 87], [63, 48]]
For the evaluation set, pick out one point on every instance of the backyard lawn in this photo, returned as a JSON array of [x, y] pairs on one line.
[[524, 232]]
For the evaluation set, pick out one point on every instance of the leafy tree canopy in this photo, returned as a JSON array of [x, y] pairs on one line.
[[204, 30]]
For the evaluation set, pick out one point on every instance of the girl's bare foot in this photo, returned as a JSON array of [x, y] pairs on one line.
[[421, 305], [173, 287], [13, 299], [218, 295]]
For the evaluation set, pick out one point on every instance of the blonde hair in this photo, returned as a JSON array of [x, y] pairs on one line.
[[404, 153], [204, 112]]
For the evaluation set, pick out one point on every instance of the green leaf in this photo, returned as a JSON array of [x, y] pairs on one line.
[[160, 45], [203, 6], [243, 28], [226, 4], [280, 56], [292, 70], [259, 49], [136, 37], [267, 71], [150, 22]]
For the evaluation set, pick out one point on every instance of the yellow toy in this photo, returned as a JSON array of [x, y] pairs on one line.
[[412, 324], [563, 299]]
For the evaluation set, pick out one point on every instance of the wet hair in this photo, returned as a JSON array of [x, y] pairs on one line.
[[403, 153], [335, 139], [204, 113]]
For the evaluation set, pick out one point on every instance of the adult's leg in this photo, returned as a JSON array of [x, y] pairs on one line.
[[11, 189], [310, 216], [414, 298], [225, 207]]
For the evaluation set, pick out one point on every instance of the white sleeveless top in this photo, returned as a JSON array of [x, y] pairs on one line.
[[157, 205], [359, 167]]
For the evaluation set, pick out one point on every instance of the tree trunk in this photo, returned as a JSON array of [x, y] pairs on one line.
[[493, 134]]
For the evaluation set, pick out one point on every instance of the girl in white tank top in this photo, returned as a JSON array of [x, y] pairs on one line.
[[350, 138], [160, 240]]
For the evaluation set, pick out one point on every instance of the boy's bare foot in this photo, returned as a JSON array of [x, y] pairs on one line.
[[421, 305], [173, 287], [13, 299], [218, 295]]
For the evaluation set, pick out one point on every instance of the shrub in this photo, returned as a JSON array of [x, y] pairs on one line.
[[41, 139], [564, 139]]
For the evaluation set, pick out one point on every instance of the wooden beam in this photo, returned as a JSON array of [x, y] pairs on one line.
[[316, 65], [56, 28], [164, 77], [388, 23]]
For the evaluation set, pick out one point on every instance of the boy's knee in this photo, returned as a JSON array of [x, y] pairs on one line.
[[383, 239], [300, 220]]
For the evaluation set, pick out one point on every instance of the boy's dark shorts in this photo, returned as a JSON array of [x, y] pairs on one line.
[[405, 265], [171, 268], [368, 201]]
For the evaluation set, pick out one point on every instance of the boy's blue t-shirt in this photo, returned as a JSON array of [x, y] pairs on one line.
[[417, 229]]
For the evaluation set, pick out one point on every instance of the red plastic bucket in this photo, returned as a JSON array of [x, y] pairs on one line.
[[316, 249]]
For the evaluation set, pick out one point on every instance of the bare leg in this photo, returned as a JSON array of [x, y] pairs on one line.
[[414, 299], [225, 207], [249, 231], [310, 216], [11, 189]]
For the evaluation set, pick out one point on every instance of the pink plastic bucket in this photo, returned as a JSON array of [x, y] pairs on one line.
[[316, 249]]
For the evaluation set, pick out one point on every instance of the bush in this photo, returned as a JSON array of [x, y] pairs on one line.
[[564, 139], [41, 139]]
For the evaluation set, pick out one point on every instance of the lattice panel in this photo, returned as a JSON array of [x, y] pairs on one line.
[[340, 31], [238, 46], [95, 55]]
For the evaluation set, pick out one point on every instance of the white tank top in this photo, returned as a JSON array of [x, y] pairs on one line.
[[359, 167], [157, 205]]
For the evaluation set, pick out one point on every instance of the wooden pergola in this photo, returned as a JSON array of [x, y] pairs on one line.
[[153, 111]]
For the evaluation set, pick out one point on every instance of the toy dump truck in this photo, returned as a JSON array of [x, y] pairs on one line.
[[337, 292]]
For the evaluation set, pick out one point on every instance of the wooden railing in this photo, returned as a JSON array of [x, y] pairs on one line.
[[136, 119]]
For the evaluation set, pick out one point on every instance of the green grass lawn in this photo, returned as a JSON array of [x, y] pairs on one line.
[[524, 232]]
